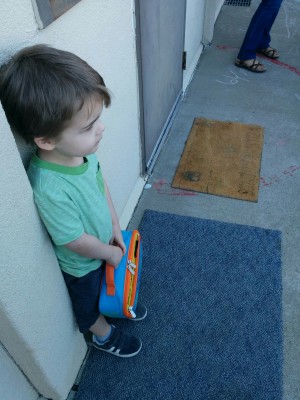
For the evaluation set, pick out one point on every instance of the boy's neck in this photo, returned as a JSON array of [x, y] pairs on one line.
[[56, 158]]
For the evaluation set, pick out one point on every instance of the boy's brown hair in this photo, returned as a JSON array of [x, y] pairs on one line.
[[41, 88]]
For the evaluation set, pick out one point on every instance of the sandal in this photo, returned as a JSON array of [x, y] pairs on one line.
[[255, 66], [269, 52]]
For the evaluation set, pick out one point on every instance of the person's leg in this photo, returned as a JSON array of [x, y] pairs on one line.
[[101, 327], [112, 340], [259, 28], [84, 293], [266, 38]]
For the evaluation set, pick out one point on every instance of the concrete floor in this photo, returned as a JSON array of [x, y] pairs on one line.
[[219, 90]]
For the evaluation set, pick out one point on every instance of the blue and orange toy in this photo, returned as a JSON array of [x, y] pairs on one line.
[[120, 286]]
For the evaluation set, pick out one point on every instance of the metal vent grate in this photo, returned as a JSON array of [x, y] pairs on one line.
[[243, 3]]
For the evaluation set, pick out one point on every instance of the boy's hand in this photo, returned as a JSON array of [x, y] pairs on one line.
[[116, 256], [117, 240], [91, 247]]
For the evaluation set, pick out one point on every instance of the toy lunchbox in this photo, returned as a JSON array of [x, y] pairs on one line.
[[120, 286]]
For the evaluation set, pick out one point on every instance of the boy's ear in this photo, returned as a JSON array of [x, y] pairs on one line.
[[45, 143]]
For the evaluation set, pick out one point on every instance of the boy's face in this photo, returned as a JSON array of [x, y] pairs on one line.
[[82, 135]]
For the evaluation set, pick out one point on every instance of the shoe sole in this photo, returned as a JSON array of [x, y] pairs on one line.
[[138, 319], [117, 354]]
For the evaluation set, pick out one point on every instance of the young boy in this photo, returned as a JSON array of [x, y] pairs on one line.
[[55, 99]]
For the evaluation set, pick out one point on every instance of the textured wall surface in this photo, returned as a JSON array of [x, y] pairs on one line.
[[16, 386], [212, 9], [194, 21], [37, 327]]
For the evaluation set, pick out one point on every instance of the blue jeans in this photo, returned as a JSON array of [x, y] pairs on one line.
[[258, 33]]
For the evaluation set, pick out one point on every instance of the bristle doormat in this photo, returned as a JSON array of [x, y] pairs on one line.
[[213, 329], [221, 158]]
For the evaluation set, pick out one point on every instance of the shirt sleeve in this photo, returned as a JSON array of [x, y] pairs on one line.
[[60, 216]]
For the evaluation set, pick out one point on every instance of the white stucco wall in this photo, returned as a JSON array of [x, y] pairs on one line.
[[16, 386], [102, 33], [212, 10], [37, 327], [194, 22]]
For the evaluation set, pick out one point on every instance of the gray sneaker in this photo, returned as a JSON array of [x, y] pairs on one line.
[[119, 344]]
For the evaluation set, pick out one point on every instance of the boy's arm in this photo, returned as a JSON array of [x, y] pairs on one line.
[[117, 238], [91, 247]]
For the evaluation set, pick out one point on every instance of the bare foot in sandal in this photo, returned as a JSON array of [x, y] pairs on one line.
[[269, 52], [252, 65]]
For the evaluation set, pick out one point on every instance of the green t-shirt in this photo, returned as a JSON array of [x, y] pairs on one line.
[[71, 201]]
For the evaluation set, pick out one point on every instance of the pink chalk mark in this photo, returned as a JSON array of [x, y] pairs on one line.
[[159, 185], [225, 47], [264, 182], [271, 180], [163, 187], [182, 193], [286, 66], [290, 171]]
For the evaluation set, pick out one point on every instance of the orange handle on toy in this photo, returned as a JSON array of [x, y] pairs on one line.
[[110, 280]]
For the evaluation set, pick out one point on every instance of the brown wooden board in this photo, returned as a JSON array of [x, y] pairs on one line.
[[221, 158]]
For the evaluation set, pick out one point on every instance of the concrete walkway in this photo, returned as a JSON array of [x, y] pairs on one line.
[[219, 90]]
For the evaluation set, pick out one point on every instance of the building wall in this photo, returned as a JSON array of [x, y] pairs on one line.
[[200, 20], [16, 386], [194, 21], [212, 9], [37, 327]]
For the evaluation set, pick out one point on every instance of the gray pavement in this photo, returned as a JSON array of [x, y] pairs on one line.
[[219, 90]]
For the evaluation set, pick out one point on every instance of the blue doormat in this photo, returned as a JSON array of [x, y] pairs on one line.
[[214, 326]]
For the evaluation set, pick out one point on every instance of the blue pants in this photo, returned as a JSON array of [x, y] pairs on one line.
[[84, 293], [258, 33]]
